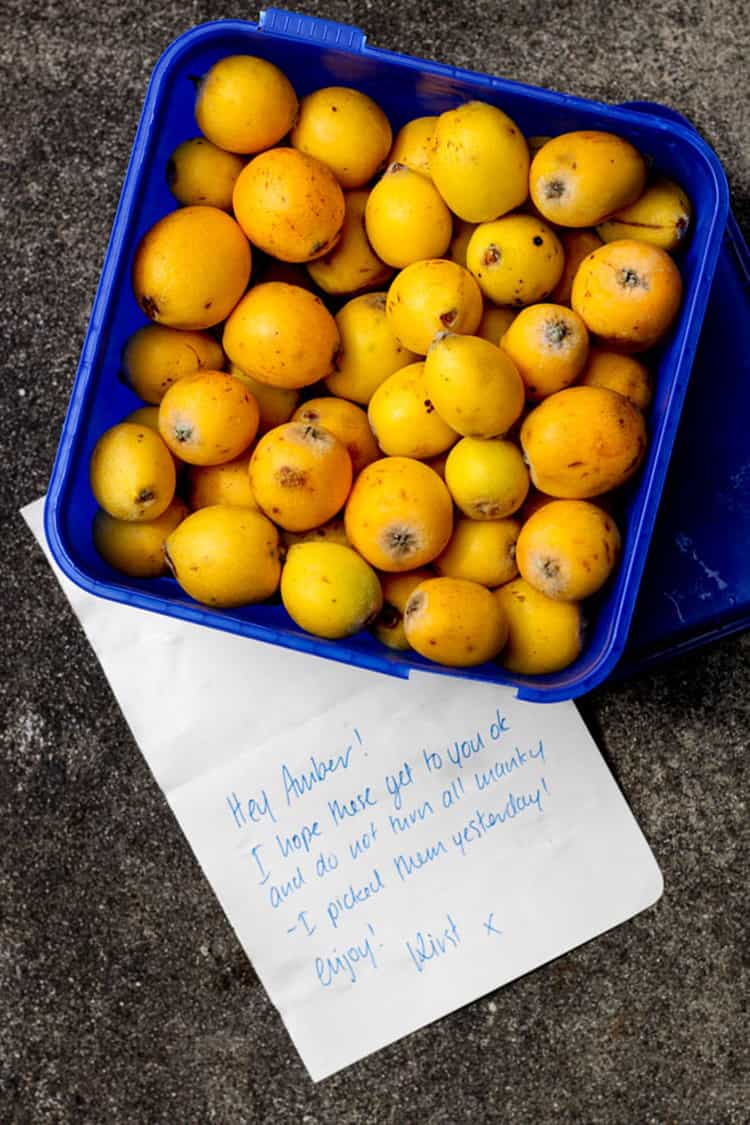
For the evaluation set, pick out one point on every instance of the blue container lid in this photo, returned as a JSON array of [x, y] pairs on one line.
[[696, 584]]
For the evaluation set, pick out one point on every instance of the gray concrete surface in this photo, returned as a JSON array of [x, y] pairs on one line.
[[124, 995]]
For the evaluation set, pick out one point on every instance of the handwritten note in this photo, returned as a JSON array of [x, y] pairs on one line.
[[386, 851]]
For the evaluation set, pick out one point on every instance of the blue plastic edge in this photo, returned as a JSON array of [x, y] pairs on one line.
[[332, 33], [643, 661]]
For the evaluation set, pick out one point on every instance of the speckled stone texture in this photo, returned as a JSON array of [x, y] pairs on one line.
[[125, 997]]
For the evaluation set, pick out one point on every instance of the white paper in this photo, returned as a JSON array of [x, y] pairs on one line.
[[385, 850]]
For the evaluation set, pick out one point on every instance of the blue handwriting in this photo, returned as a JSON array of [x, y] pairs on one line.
[[499, 725], [299, 841], [278, 893], [453, 793], [483, 822], [340, 810], [461, 752], [324, 864], [364, 842], [297, 785], [406, 865], [427, 946], [395, 782], [490, 926], [264, 875], [307, 926], [353, 897], [432, 759], [412, 817], [503, 768], [327, 969], [251, 809]]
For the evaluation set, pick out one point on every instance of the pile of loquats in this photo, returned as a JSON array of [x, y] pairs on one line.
[[354, 376]]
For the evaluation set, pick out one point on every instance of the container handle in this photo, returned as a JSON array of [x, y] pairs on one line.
[[293, 25]]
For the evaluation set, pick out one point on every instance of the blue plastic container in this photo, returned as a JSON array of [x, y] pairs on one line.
[[315, 53]]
